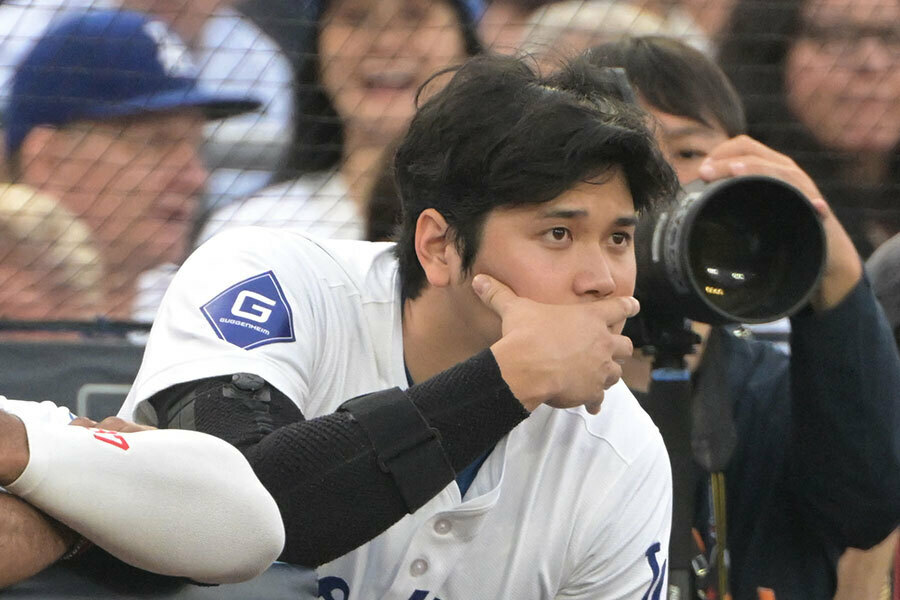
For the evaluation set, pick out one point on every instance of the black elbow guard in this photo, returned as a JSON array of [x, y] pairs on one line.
[[405, 444], [241, 409]]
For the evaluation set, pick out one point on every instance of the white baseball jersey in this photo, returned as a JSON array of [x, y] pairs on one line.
[[568, 505]]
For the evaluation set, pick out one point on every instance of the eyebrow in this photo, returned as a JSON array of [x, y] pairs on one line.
[[563, 213], [576, 213], [690, 130]]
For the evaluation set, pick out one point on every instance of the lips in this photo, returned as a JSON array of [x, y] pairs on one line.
[[389, 80]]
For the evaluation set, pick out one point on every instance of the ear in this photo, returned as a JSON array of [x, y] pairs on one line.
[[435, 248], [37, 159]]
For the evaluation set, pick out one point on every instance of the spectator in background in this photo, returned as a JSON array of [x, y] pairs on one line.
[[505, 22], [709, 16], [820, 81], [565, 29], [801, 484], [883, 268], [49, 267], [356, 86], [233, 56], [106, 115], [383, 210]]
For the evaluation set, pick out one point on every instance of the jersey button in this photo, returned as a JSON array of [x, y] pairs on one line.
[[443, 526], [418, 567]]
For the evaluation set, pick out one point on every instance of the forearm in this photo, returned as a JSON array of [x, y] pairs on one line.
[[865, 574], [29, 540], [13, 448], [330, 482], [171, 502], [325, 473]]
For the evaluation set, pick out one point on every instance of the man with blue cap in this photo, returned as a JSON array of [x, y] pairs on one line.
[[106, 115]]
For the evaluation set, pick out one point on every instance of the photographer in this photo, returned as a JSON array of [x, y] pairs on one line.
[[816, 466]]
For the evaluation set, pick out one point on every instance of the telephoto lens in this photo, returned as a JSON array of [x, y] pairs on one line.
[[740, 250]]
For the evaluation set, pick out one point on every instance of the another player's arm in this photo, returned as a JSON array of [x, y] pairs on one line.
[[29, 540], [75, 475]]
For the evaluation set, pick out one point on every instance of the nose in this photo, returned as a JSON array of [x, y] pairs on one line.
[[192, 176], [594, 278], [389, 37], [874, 55]]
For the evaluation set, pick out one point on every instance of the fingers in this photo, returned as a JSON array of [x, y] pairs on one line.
[[744, 145], [615, 311], [121, 425], [493, 293], [83, 422], [623, 348], [715, 169], [594, 407], [822, 209]]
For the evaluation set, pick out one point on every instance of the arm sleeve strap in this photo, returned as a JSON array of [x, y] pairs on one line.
[[405, 445]]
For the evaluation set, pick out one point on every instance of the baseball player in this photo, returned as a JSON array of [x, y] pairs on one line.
[[451, 424], [143, 495]]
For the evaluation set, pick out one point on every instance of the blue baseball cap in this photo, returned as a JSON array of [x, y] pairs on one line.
[[105, 64]]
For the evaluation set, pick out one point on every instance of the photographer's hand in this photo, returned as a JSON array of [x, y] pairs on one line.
[[743, 155], [559, 355]]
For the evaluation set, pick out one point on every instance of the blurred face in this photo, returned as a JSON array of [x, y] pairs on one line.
[[575, 248], [843, 73], [186, 17], [135, 182], [374, 55], [685, 142]]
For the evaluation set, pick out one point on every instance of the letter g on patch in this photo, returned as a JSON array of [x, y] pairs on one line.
[[251, 313]]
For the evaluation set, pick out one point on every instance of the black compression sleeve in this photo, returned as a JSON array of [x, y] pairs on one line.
[[324, 473]]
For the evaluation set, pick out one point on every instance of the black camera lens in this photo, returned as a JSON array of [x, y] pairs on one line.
[[746, 249]]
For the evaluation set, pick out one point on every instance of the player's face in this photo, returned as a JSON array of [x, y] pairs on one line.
[[842, 74], [685, 142], [373, 56], [575, 248], [136, 183]]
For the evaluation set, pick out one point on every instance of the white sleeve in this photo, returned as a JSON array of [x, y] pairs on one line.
[[43, 412], [239, 303], [628, 556], [173, 502]]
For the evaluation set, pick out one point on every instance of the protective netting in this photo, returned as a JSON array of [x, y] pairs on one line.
[[116, 162]]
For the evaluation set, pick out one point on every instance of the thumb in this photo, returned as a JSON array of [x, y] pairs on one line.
[[493, 293]]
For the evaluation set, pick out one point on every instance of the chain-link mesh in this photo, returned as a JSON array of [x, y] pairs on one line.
[[116, 162]]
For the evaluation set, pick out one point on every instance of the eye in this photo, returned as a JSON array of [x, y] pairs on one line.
[[412, 14], [558, 234], [351, 17], [621, 238], [690, 154]]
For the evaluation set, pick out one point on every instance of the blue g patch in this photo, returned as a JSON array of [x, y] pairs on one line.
[[251, 313]]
